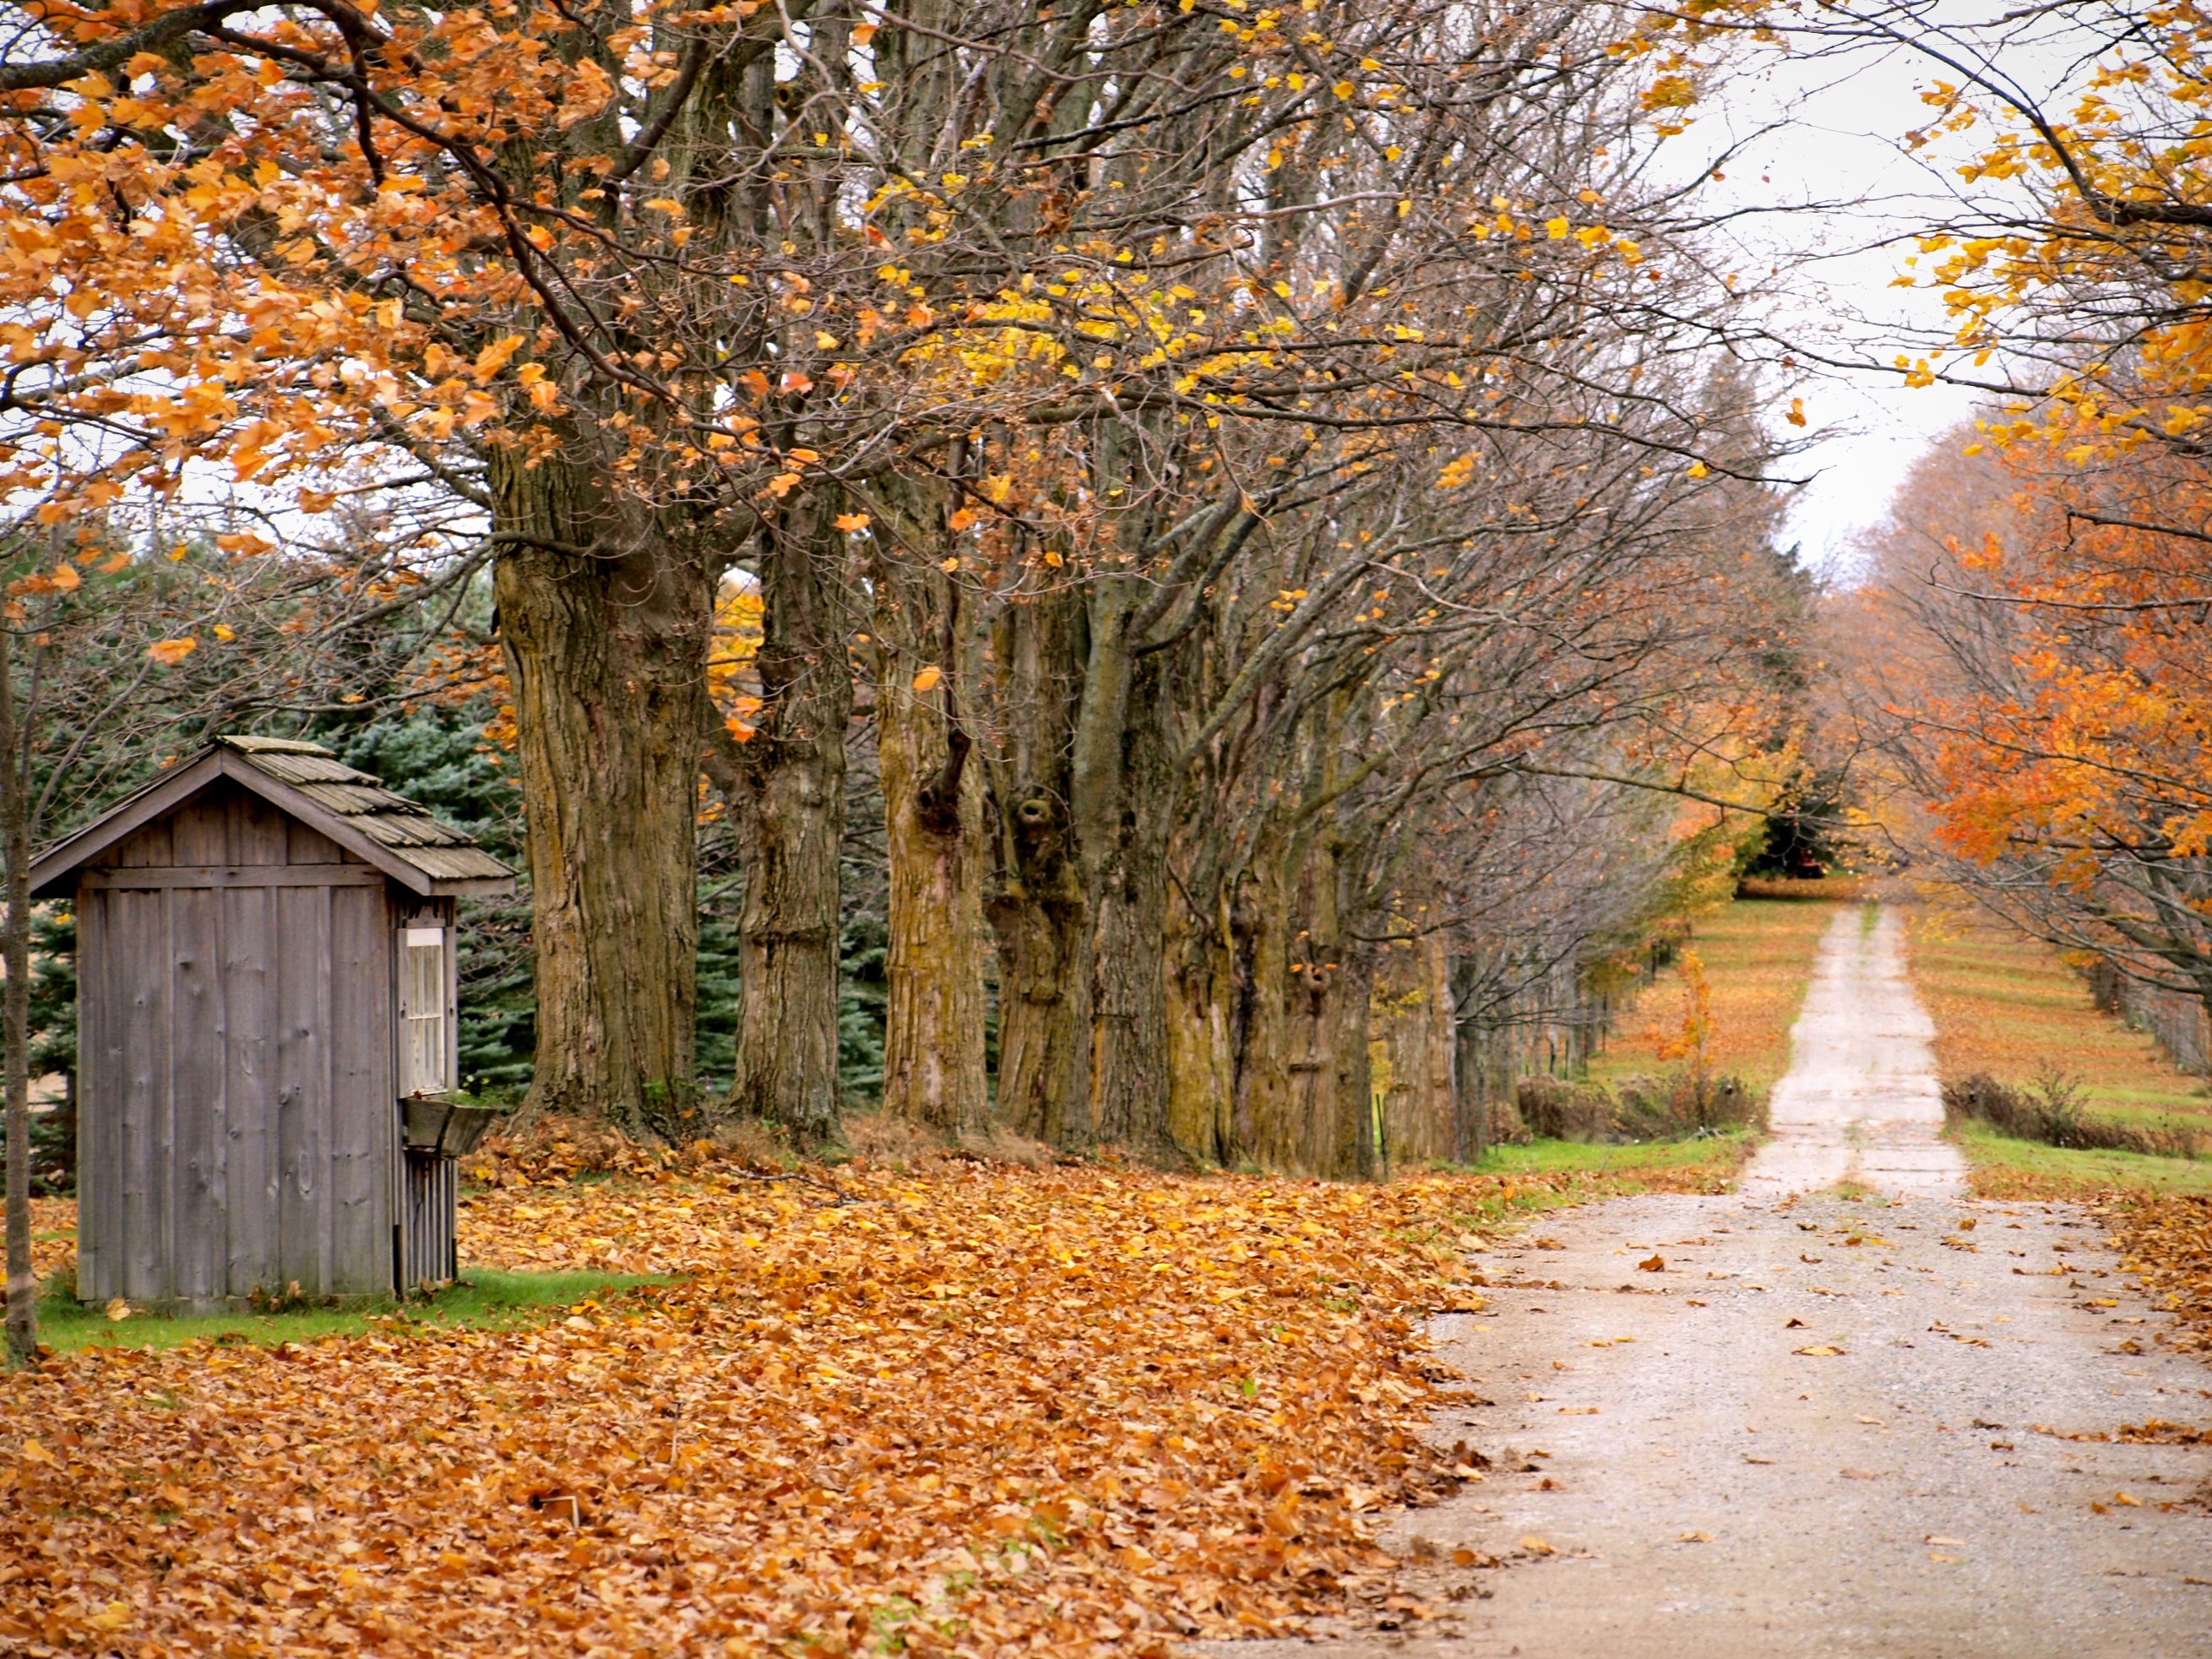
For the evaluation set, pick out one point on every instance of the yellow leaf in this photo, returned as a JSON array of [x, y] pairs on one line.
[[1818, 1350], [783, 485], [170, 653], [851, 523], [65, 579], [1698, 469], [926, 680], [1557, 228], [117, 1309]]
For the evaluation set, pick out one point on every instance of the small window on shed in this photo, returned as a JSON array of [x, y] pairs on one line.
[[423, 1010]]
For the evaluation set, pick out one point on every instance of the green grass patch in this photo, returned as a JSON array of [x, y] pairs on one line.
[[1726, 1149], [485, 1298], [2005, 1168]]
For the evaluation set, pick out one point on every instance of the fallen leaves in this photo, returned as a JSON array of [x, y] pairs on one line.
[[1075, 1411], [2167, 1241], [1652, 1264], [1819, 1350]]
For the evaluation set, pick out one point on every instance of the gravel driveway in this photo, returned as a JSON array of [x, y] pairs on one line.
[[1793, 1421]]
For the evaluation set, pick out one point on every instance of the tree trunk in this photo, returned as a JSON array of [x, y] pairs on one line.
[[1038, 913], [607, 653], [16, 1021], [934, 1063], [1330, 1100], [1267, 1127], [1044, 995], [1411, 1028], [1121, 795], [1202, 1063], [791, 814]]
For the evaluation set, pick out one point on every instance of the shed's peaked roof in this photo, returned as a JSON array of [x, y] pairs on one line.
[[312, 785]]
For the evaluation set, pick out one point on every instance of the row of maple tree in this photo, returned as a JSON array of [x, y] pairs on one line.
[[1276, 489], [1255, 482]]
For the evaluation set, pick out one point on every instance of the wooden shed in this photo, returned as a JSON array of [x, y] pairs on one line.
[[265, 977]]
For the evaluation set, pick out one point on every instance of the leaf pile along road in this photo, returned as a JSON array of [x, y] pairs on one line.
[[2168, 1239], [975, 1410]]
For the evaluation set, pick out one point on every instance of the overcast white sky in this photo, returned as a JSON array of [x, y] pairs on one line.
[[1837, 143]]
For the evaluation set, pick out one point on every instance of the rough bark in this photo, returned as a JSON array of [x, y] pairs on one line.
[[1037, 912], [1201, 1060], [1044, 993], [605, 623], [1121, 795], [935, 1062], [791, 822], [16, 1022], [1411, 1032]]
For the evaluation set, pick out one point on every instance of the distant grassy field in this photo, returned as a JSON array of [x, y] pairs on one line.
[[1756, 955], [2008, 1007]]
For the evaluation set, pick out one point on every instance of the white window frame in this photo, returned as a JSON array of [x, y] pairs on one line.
[[425, 1033]]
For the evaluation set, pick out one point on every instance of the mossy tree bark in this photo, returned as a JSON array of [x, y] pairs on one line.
[[938, 856], [605, 621]]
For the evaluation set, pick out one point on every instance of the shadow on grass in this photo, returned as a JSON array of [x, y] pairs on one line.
[[483, 1299]]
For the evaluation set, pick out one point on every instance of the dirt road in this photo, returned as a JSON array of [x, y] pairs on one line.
[[1794, 1422]]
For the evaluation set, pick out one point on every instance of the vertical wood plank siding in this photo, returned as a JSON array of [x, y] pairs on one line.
[[238, 1129]]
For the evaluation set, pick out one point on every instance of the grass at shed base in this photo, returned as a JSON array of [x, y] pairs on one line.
[[483, 1297], [2003, 1168]]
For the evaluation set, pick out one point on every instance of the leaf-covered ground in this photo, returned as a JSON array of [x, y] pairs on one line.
[[978, 1410], [2165, 1236], [2168, 1239]]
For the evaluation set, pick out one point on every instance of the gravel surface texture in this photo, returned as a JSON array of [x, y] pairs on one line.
[[1803, 1421]]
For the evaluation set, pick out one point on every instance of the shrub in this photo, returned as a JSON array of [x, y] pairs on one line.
[[2055, 1110], [1656, 1108]]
